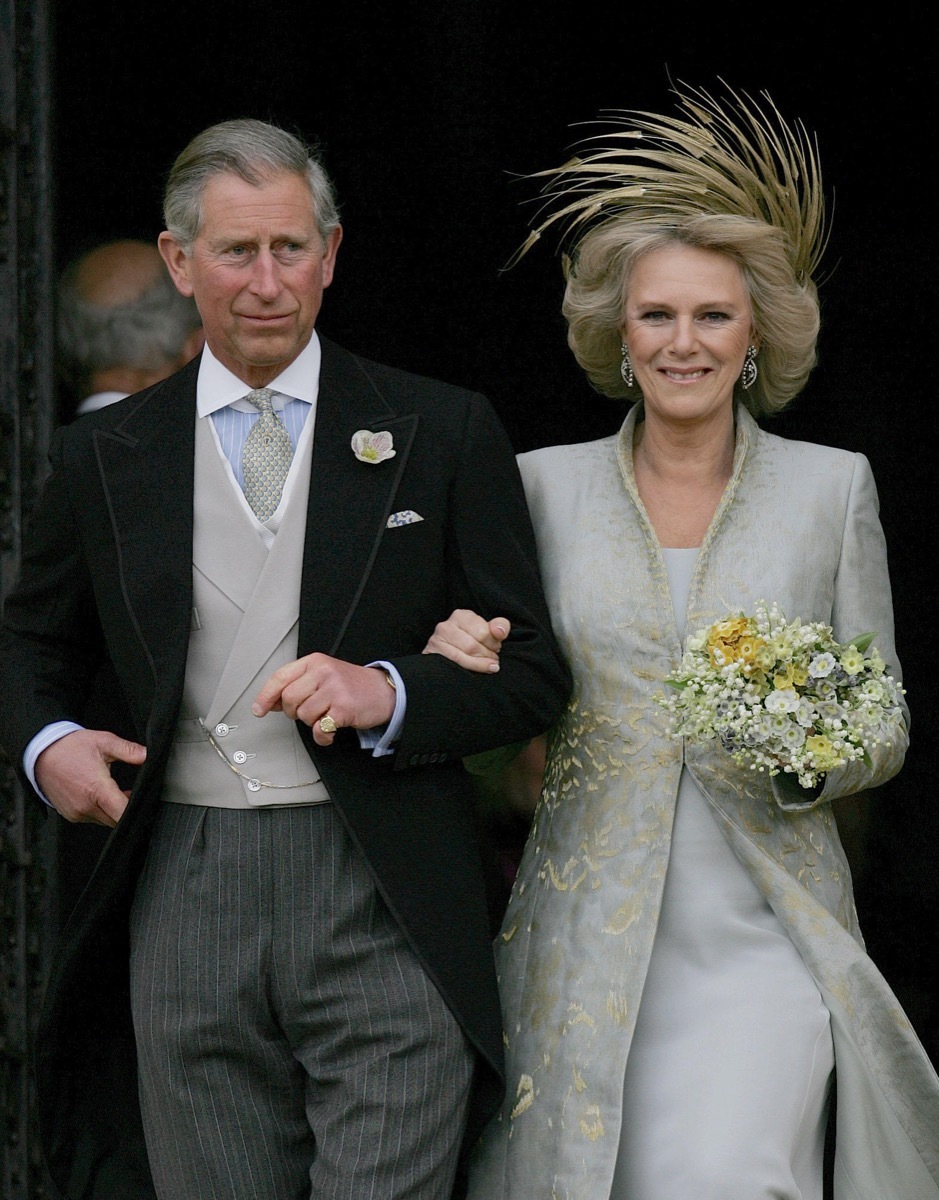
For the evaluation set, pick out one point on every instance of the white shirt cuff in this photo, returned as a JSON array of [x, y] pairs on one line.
[[380, 740], [42, 741]]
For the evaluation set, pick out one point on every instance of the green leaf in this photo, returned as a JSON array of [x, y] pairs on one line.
[[862, 641]]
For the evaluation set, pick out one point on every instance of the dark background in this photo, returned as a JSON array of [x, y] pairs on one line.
[[429, 114]]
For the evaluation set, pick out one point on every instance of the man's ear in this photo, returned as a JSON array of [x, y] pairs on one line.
[[177, 261], [191, 347]]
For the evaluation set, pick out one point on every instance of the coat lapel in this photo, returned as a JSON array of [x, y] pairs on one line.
[[146, 468], [350, 501]]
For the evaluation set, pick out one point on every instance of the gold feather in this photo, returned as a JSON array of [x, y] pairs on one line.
[[738, 158]]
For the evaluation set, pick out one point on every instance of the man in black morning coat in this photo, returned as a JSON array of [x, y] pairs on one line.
[[298, 997]]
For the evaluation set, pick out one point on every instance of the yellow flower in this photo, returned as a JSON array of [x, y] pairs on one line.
[[852, 659], [792, 675], [747, 650], [731, 629], [823, 752], [733, 640]]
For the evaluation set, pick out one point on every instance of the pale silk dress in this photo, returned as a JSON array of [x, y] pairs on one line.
[[578, 948], [728, 1073]]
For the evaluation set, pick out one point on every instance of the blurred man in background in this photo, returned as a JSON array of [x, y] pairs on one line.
[[122, 325]]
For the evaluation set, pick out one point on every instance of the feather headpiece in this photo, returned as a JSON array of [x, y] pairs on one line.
[[739, 158]]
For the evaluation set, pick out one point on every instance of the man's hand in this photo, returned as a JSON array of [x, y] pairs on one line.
[[309, 688], [74, 774], [469, 640]]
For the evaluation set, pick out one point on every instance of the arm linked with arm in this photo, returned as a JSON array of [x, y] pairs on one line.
[[492, 569]]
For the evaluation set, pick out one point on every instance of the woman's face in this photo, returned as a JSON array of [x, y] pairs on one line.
[[688, 323]]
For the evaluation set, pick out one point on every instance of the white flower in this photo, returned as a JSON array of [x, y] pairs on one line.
[[822, 665], [793, 736], [778, 724], [373, 447], [804, 713], [783, 701]]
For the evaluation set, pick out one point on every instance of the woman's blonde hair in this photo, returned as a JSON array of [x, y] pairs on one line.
[[735, 180]]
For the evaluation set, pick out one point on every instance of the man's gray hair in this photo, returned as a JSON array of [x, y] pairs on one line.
[[145, 333], [252, 150]]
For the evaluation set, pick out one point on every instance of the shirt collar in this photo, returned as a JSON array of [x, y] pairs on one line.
[[217, 387], [98, 400]]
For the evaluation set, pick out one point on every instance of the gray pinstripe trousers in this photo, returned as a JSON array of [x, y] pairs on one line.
[[290, 1046]]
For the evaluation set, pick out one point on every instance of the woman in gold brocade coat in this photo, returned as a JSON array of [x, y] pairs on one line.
[[685, 990]]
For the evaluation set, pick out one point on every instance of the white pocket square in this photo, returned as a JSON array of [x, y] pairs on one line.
[[407, 517]]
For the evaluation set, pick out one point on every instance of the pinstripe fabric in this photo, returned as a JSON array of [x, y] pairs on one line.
[[290, 1045]]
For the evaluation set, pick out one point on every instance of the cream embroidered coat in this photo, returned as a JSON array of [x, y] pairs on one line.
[[798, 525]]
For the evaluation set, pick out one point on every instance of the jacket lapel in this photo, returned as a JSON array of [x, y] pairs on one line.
[[146, 469], [350, 501]]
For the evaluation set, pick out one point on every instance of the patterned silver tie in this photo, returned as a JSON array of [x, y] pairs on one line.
[[266, 456]]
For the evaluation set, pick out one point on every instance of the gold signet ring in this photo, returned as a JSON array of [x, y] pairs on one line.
[[327, 724]]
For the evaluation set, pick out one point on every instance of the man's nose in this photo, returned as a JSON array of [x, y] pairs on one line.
[[265, 276]]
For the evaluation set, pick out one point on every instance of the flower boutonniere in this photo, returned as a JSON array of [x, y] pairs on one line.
[[783, 696], [373, 447]]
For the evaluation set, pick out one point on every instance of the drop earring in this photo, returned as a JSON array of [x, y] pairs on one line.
[[626, 367], [750, 371]]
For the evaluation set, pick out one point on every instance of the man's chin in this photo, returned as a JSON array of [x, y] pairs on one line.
[[268, 354]]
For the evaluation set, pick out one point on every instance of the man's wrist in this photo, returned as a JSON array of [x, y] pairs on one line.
[[42, 741], [382, 741]]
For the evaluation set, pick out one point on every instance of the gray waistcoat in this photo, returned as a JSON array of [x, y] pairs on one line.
[[244, 626]]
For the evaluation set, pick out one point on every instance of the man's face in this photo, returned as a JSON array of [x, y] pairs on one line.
[[257, 271]]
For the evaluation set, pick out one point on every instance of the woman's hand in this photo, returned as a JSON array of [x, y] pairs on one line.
[[469, 640]]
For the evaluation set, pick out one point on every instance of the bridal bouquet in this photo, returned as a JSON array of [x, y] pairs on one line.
[[782, 696]]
